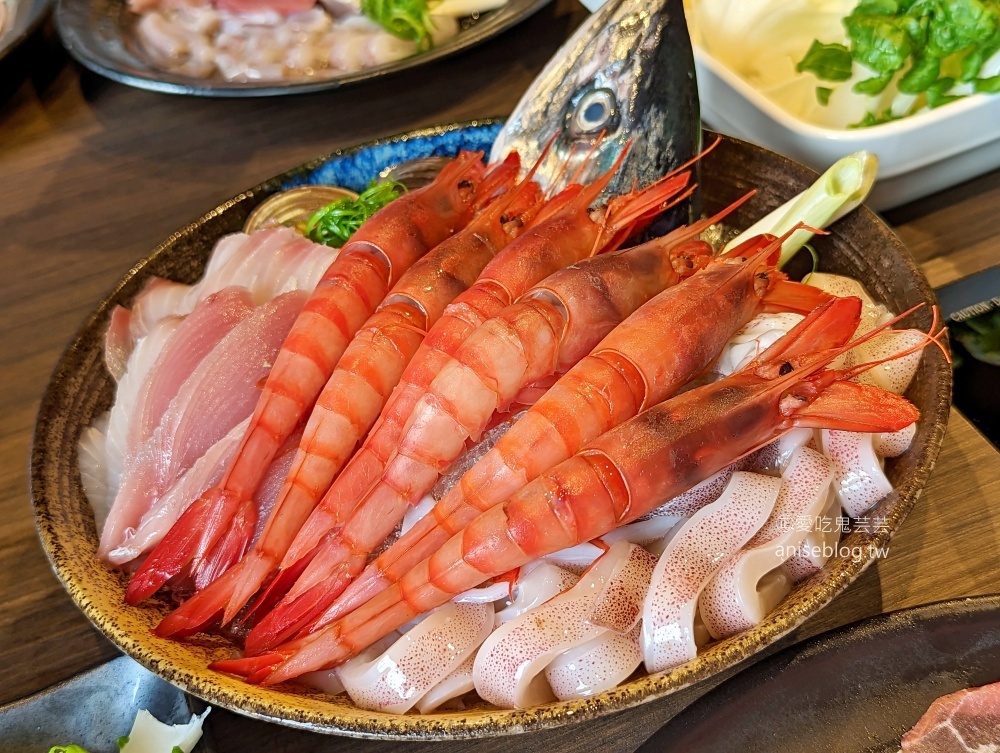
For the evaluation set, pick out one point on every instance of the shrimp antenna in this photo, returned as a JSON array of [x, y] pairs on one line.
[[931, 336]]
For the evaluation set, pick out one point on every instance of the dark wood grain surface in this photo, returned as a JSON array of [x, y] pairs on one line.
[[94, 174]]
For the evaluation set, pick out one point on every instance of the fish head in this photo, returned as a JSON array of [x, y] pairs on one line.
[[626, 75]]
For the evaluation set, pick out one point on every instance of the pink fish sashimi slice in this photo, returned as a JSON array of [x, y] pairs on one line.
[[224, 388], [196, 336], [968, 720], [118, 342], [203, 474], [268, 263], [158, 366]]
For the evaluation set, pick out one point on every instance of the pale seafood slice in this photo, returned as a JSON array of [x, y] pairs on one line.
[[644, 532], [92, 451], [509, 668], [756, 336], [859, 481], [751, 584], [396, 679], [595, 666], [895, 375], [892, 444], [538, 582], [692, 558], [775, 457], [455, 685], [223, 386], [819, 545]]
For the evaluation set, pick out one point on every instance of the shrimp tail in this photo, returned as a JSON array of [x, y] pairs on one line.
[[232, 545], [189, 540]]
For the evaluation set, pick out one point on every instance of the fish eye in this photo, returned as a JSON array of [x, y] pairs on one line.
[[594, 111]]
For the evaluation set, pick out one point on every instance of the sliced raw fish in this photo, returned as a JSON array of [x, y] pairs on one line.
[[224, 386], [160, 518], [964, 722], [118, 341], [692, 558], [92, 452], [751, 584], [268, 263]]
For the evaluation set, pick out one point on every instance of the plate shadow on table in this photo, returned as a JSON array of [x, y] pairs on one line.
[[37, 60]]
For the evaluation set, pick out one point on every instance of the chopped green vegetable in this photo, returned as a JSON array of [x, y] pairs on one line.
[[924, 46], [335, 223], [830, 62], [122, 741], [67, 749], [823, 95], [407, 19]]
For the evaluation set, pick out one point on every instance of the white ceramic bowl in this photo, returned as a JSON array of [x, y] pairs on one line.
[[918, 155]]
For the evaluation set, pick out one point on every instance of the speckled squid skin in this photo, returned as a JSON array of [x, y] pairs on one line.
[[732, 602], [692, 558]]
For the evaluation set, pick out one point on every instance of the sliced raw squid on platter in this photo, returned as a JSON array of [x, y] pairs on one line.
[[608, 598], [692, 558]]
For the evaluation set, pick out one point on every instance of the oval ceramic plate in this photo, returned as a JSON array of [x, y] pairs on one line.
[[99, 34], [907, 659], [860, 245]]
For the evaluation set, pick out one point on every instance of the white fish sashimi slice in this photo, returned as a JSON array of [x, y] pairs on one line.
[[859, 481], [509, 668], [203, 475], [224, 387], [92, 452], [120, 453], [692, 558], [395, 680], [454, 686], [268, 263], [595, 666], [150, 735], [750, 585]]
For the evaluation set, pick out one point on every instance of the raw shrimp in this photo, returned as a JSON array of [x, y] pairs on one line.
[[642, 362], [378, 253], [336, 559], [624, 474], [351, 401]]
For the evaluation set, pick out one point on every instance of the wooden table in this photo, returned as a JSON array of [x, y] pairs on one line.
[[93, 175]]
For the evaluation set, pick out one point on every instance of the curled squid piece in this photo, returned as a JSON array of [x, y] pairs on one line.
[[895, 375], [692, 558], [643, 532], [757, 335], [452, 687], [751, 584], [819, 545], [892, 444], [396, 679], [859, 481], [774, 458], [537, 583], [509, 668], [598, 665], [872, 313]]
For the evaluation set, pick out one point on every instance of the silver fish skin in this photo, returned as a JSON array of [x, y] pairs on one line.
[[628, 71]]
